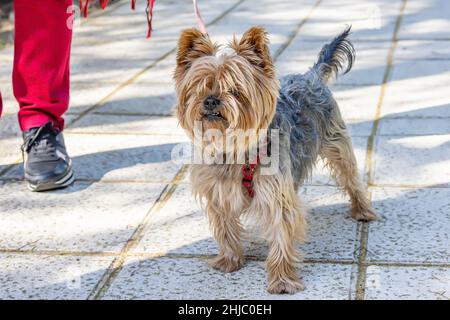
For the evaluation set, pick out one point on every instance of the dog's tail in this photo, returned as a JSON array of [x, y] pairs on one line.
[[334, 55]]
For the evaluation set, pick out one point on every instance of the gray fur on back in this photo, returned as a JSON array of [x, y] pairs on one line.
[[306, 107]]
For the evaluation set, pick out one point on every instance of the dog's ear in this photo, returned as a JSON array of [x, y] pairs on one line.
[[254, 46], [192, 45]]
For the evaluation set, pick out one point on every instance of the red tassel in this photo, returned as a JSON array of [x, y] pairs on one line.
[[104, 3], [150, 5], [86, 8]]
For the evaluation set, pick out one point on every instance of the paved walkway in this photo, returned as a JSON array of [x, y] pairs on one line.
[[129, 228]]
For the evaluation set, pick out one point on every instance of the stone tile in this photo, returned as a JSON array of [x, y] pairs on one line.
[[332, 234], [415, 101], [407, 283], [83, 217], [6, 66], [9, 127], [412, 227], [10, 153], [153, 93], [418, 89], [370, 20], [357, 102], [10, 141], [267, 14], [426, 20], [427, 70], [413, 160], [120, 157], [422, 50], [168, 278], [414, 126], [321, 174], [26, 277], [84, 94], [161, 72], [124, 124], [359, 128], [181, 227], [144, 98], [114, 61]]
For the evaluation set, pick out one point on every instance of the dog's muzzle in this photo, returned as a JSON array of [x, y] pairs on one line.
[[211, 107]]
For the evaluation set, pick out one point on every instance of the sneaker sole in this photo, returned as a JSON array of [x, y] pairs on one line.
[[64, 182]]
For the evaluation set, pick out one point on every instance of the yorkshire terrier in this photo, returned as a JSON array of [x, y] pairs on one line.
[[239, 90]]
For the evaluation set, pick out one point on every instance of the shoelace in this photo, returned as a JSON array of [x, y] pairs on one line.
[[33, 141]]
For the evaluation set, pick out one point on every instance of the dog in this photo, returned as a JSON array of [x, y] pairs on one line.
[[240, 91]]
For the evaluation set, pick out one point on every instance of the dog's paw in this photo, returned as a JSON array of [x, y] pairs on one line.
[[227, 264], [285, 286], [364, 215]]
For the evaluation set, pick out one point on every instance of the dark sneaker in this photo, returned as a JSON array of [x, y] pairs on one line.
[[47, 165]]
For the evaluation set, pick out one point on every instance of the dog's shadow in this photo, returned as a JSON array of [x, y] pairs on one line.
[[332, 233]]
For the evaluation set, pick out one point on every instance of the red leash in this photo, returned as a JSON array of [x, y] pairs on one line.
[[84, 7], [198, 16], [150, 4], [104, 3]]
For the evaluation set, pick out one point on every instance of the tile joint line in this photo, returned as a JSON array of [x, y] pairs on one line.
[[369, 170]]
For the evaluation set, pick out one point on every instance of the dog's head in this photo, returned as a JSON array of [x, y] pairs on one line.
[[231, 91]]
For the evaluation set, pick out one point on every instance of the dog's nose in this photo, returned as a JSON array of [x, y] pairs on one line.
[[211, 103]]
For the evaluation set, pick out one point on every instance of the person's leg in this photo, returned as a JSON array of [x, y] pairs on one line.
[[41, 61], [41, 86]]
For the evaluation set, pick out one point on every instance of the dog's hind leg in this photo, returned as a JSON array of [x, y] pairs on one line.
[[337, 151]]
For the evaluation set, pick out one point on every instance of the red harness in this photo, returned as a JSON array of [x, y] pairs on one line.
[[247, 180]]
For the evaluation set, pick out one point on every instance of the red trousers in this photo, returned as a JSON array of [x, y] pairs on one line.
[[43, 37]]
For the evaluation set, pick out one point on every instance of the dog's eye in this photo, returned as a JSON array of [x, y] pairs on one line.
[[235, 93]]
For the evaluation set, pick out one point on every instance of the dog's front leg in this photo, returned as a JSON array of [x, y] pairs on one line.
[[226, 229], [285, 226]]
